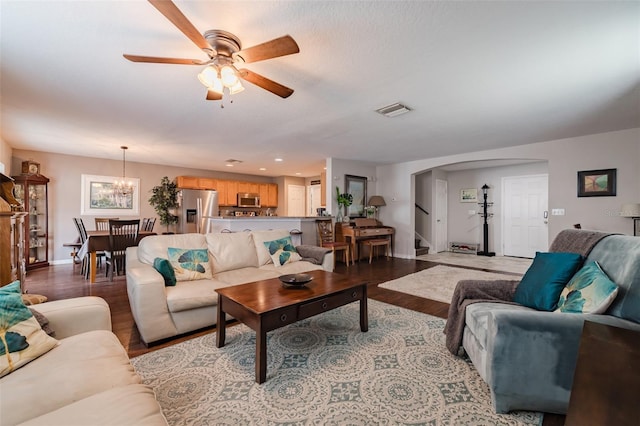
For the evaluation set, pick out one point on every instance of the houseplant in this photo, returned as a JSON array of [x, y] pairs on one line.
[[165, 200], [344, 201]]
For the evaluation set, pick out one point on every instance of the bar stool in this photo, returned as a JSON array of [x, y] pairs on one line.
[[378, 242]]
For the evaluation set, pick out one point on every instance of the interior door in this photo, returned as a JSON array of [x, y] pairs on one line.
[[441, 215], [295, 200], [313, 199], [525, 215]]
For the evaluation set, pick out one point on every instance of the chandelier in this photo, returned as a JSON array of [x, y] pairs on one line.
[[121, 187]]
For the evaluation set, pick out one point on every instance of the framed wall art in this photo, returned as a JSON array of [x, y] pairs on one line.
[[357, 187], [98, 197], [597, 183], [469, 195]]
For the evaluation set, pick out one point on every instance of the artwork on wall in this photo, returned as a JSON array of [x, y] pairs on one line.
[[357, 187], [469, 195], [597, 183], [99, 198]]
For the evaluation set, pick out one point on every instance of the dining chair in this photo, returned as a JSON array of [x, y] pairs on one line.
[[102, 223], [122, 234], [147, 224], [82, 231], [326, 238]]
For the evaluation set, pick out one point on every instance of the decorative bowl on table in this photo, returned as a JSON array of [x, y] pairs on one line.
[[295, 280]]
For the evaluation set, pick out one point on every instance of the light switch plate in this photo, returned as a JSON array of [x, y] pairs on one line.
[[557, 212]]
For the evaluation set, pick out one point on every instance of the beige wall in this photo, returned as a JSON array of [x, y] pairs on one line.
[[5, 157], [565, 157], [64, 189]]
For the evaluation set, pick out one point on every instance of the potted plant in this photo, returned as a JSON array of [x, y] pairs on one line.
[[344, 201], [165, 200]]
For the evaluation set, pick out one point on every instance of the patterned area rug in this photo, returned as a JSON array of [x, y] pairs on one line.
[[324, 371], [438, 283]]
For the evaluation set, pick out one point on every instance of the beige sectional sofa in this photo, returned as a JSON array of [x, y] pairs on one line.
[[86, 380], [234, 258]]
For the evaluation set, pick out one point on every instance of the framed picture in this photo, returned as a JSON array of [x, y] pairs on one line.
[[357, 187], [597, 183], [99, 198], [469, 195]]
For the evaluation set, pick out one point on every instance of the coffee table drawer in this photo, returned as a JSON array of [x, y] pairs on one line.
[[280, 318], [331, 302]]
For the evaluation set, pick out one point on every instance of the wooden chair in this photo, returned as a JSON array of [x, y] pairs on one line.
[[147, 224], [102, 223], [82, 231], [326, 238], [122, 234], [374, 242]]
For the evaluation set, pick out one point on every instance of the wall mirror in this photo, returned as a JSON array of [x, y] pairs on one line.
[[357, 187]]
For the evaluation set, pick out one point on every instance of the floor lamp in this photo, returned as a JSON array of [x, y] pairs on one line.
[[632, 210]]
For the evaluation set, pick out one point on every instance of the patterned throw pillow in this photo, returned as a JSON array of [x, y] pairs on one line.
[[282, 251], [190, 264], [590, 291], [166, 270], [22, 337]]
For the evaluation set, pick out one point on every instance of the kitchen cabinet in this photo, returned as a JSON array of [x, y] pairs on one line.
[[31, 192], [187, 182], [268, 195], [228, 189], [228, 193], [248, 187]]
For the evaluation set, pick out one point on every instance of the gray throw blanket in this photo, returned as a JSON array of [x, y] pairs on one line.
[[502, 291], [313, 254]]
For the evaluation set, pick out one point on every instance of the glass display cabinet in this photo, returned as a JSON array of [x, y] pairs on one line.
[[31, 191]]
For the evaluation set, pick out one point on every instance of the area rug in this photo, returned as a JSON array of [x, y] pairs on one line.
[[438, 282], [324, 371]]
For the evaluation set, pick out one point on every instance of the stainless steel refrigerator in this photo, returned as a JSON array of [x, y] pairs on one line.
[[197, 208]]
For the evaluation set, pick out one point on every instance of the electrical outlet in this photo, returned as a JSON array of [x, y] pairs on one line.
[[557, 212]]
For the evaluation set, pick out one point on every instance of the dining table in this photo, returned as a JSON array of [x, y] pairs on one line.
[[99, 241]]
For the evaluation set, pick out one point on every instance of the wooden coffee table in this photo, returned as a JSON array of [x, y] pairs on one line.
[[267, 305]]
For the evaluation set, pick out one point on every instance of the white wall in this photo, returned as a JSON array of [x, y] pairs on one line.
[[337, 169], [565, 157]]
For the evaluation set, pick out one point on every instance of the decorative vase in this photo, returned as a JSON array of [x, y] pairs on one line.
[[345, 219]]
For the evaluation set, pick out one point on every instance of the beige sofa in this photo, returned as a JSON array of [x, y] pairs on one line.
[[86, 380], [234, 258]]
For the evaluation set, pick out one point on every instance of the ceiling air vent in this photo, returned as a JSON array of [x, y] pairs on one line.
[[393, 110], [232, 161]]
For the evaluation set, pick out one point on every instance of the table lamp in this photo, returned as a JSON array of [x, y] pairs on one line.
[[632, 210], [377, 201]]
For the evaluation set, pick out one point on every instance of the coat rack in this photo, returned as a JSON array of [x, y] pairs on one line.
[[485, 248]]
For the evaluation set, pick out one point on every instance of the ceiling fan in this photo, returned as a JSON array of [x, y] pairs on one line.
[[225, 52]]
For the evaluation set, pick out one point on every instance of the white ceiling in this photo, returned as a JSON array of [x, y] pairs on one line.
[[478, 75]]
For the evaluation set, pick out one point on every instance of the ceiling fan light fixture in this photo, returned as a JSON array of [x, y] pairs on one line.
[[228, 76], [208, 76], [236, 88]]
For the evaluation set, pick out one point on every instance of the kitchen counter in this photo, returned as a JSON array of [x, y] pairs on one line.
[[305, 224]]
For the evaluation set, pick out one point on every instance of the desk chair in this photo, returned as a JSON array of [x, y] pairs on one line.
[[122, 234], [326, 238]]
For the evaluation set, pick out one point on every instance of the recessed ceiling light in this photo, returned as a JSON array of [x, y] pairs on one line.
[[278, 159], [263, 169], [229, 165], [298, 174]]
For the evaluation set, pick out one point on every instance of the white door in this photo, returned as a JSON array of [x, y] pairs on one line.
[[295, 200], [313, 199], [525, 215], [441, 215]]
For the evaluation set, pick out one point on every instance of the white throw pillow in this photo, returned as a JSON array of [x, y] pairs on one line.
[[259, 237], [282, 251]]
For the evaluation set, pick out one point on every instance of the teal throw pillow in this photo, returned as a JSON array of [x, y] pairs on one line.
[[282, 251], [543, 282], [22, 337], [590, 291], [166, 270], [190, 264]]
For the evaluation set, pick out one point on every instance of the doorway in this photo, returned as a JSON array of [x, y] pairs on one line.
[[295, 200], [525, 215]]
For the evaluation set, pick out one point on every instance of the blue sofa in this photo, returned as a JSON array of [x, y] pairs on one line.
[[528, 357]]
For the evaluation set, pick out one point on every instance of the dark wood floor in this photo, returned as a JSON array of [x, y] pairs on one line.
[[65, 281]]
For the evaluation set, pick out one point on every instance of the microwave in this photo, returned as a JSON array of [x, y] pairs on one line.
[[248, 200]]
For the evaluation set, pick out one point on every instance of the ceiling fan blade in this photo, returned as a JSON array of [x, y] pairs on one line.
[[265, 83], [281, 46], [172, 13], [157, 60], [213, 95]]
